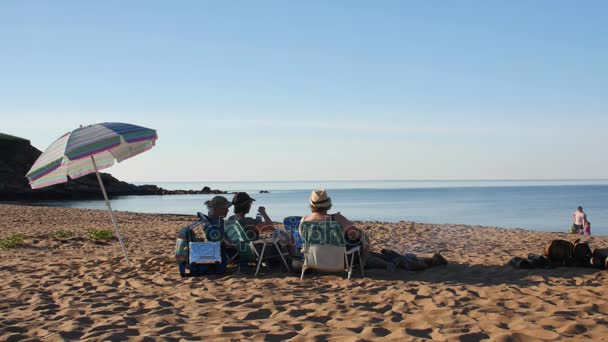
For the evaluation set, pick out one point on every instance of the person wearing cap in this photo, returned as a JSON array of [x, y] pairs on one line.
[[253, 226], [217, 210]]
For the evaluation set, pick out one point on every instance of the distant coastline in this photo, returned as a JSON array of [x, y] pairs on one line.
[[256, 186], [17, 156]]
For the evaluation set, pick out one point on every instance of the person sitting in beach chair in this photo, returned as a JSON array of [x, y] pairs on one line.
[[260, 251], [209, 257], [325, 248], [320, 204], [253, 226], [196, 255], [217, 209]]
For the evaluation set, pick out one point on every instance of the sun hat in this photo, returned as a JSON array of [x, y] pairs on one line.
[[241, 198], [218, 202], [319, 199]]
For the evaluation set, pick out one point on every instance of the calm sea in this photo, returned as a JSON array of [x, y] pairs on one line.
[[528, 204]]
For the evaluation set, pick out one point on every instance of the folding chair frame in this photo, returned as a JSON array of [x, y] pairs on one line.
[[352, 252], [260, 255]]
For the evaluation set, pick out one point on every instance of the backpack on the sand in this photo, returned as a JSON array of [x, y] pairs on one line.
[[581, 252], [559, 252], [600, 258]]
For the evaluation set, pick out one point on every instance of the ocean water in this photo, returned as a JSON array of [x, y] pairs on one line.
[[528, 204]]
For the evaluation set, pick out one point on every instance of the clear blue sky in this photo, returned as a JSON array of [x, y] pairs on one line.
[[284, 90]]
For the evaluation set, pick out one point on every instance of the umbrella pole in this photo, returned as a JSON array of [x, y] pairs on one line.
[[105, 196]]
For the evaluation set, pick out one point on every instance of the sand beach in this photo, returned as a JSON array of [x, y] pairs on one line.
[[73, 288]]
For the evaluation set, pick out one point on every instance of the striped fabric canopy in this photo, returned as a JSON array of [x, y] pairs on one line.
[[70, 155]]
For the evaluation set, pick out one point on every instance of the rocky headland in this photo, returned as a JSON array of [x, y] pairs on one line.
[[17, 156]]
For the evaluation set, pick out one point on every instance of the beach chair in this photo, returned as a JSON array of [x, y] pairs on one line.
[[325, 248], [196, 257], [258, 251], [292, 225]]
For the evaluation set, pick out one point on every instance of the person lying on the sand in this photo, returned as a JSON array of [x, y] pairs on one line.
[[252, 226], [411, 261], [320, 204]]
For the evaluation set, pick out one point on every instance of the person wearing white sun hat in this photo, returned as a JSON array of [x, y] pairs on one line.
[[320, 203]]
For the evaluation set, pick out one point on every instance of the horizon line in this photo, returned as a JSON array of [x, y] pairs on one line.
[[383, 180]]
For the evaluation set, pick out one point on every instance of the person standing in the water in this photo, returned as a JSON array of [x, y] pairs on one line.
[[579, 220]]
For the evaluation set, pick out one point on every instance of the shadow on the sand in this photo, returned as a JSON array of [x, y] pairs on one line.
[[457, 273], [453, 273]]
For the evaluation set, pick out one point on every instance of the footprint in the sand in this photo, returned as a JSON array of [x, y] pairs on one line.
[[280, 337], [299, 312], [356, 330], [168, 329], [319, 319], [237, 327], [205, 300], [130, 321], [257, 314], [382, 308], [573, 329], [122, 335], [473, 337], [15, 329], [380, 332], [420, 333], [396, 317], [16, 337], [71, 335]]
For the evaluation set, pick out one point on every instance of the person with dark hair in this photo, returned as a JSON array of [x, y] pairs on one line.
[[579, 220], [253, 226]]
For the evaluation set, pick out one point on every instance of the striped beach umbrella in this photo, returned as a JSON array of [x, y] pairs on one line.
[[89, 149]]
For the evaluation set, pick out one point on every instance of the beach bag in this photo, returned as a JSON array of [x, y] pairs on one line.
[[581, 252], [559, 252], [572, 230], [600, 258]]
